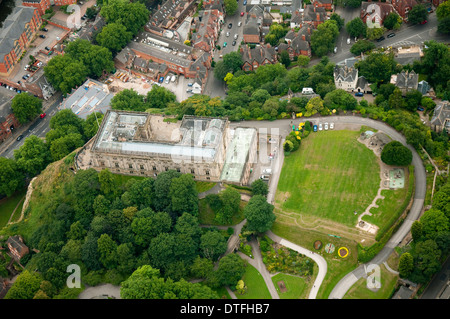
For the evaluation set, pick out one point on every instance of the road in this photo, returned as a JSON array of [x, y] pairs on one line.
[[350, 279], [439, 282], [38, 127]]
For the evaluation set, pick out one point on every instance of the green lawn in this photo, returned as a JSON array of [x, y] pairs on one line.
[[295, 286], [330, 176], [206, 214], [203, 186], [256, 287], [360, 291], [7, 206]]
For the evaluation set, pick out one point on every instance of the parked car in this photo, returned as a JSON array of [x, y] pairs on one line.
[[42, 36], [45, 29], [239, 23], [265, 177], [242, 14], [320, 126], [326, 126], [233, 43], [190, 84], [47, 48], [167, 79], [419, 108], [390, 35], [42, 115], [236, 36], [228, 33], [315, 128], [331, 126], [267, 171], [359, 94], [245, 2], [348, 40], [423, 22], [224, 44], [19, 137], [230, 25], [189, 90], [174, 77], [335, 49], [380, 39], [39, 64]]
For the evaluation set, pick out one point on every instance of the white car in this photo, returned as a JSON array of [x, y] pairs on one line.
[[267, 171], [26, 67], [348, 41], [331, 126], [335, 49], [239, 23], [235, 36], [167, 79], [174, 77], [228, 33], [326, 126], [320, 126]]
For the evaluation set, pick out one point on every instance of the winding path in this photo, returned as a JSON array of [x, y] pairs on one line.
[[338, 292]]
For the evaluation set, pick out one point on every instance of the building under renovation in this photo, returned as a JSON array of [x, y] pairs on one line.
[[143, 144]]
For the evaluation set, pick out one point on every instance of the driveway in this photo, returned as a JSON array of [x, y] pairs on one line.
[[101, 292]]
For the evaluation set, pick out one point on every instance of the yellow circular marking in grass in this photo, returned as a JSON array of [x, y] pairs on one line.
[[343, 252]]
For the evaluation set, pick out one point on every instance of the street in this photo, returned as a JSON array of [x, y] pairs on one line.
[[38, 127]]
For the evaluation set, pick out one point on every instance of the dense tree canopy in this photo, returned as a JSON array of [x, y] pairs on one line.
[[26, 107], [323, 39], [395, 153]]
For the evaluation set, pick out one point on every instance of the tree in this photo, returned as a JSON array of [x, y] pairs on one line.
[[392, 21], [125, 258], [374, 33], [303, 60], [66, 120], [89, 252], [65, 73], [107, 250], [159, 97], [413, 99], [436, 65], [417, 14], [395, 153], [259, 187], [231, 269], [378, 67], [405, 265], [184, 195], [33, 156], [288, 146], [362, 46], [92, 124], [339, 21], [353, 3], [416, 230], [259, 214], [444, 25], [340, 99], [315, 105], [133, 15], [162, 250], [231, 200], [162, 185], [231, 7], [443, 10], [128, 99], [285, 58], [213, 245], [356, 27], [64, 145], [276, 32], [323, 39], [396, 100], [426, 261], [114, 37], [26, 107], [25, 287], [230, 63], [11, 179], [91, 12], [433, 222]]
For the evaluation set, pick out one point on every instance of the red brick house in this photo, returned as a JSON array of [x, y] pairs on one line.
[[41, 5], [8, 122], [207, 26], [376, 11], [313, 15], [17, 247], [18, 30], [403, 7], [257, 56], [326, 4]]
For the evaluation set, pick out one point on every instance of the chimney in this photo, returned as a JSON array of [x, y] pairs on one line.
[[241, 50], [268, 45], [309, 30], [317, 16], [303, 37], [261, 51], [249, 53]]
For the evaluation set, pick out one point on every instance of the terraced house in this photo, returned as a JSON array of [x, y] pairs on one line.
[[257, 56], [15, 36]]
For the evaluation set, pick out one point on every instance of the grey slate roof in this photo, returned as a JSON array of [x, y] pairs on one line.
[[258, 53], [407, 79], [345, 73], [5, 103], [441, 113], [13, 27]]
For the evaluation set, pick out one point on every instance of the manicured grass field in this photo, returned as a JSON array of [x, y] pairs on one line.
[[295, 286], [256, 287], [330, 176]]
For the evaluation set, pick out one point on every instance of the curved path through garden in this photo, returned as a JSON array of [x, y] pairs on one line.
[[284, 127]]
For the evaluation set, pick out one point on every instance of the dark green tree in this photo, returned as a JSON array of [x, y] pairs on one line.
[[26, 107], [395, 153], [259, 214]]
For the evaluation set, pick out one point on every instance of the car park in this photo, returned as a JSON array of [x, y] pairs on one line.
[[19, 137], [359, 94], [390, 35], [326, 126], [320, 126], [331, 126]]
